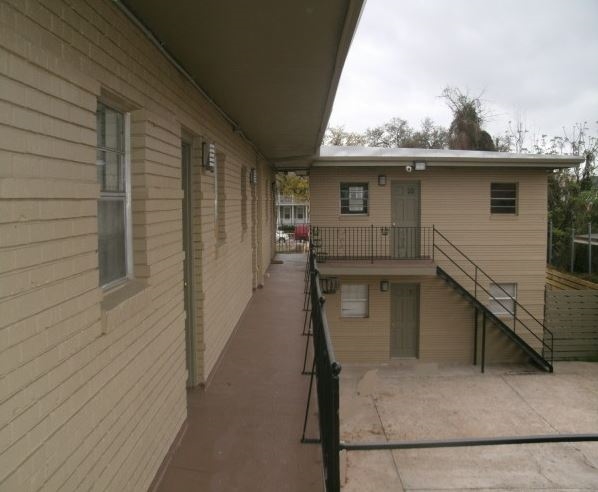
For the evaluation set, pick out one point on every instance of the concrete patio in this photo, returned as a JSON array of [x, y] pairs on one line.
[[411, 400], [244, 430]]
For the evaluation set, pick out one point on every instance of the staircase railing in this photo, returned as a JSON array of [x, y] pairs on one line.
[[512, 307]]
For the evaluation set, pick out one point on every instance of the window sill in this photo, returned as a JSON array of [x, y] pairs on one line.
[[349, 216], [122, 303], [504, 216]]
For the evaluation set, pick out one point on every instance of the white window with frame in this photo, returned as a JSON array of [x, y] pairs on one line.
[[300, 213], [114, 205], [354, 300], [502, 298]]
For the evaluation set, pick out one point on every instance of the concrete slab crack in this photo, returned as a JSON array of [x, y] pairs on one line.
[[387, 439], [527, 404], [585, 459]]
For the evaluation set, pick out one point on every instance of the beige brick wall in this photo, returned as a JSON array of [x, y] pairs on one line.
[[457, 202], [92, 384]]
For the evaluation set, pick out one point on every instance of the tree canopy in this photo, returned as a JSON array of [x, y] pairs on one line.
[[394, 133], [465, 131], [292, 185]]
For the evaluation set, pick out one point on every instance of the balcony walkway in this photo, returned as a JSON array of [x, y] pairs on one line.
[[244, 430]]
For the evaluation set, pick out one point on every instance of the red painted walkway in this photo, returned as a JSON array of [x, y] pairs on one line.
[[244, 430]]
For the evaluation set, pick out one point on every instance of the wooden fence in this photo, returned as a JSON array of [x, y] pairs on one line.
[[559, 280], [572, 316]]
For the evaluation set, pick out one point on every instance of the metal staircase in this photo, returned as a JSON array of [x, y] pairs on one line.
[[472, 274]]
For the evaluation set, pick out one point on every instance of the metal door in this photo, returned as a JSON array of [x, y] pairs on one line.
[[405, 216], [404, 329]]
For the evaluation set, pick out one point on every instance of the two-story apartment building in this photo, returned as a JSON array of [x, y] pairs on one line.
[[138, 142], [420, 249]]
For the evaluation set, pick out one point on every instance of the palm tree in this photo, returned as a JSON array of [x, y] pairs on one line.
[[466, 131]]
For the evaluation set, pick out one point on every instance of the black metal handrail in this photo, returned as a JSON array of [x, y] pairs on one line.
[[373, 242], [326, 371], [547, 339]]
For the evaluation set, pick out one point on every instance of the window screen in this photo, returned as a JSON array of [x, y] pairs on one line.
[[503, 198]]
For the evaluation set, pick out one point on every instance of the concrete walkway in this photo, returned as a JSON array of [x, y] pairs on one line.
[[244, 430]]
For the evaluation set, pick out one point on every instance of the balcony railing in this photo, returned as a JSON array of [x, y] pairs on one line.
[[326, 371], [372, 243]]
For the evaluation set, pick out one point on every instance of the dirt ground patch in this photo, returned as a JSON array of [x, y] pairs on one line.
[[410, 400]]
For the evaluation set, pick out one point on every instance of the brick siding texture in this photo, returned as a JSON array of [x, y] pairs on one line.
[[92, 383]]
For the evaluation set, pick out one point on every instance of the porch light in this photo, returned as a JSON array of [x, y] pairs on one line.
[[420, 165], [253, 176], [384, 285], [329, 285], [381, 180]]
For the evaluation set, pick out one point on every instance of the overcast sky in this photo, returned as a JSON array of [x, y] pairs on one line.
[[536, 58]]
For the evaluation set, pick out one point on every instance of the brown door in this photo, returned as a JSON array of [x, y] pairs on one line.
[[405, 231], [404, 329]]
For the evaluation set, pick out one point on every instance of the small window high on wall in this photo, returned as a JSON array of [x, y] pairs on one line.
[[503, 198]]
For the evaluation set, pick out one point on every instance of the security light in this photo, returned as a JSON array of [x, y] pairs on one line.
[[420, 165]]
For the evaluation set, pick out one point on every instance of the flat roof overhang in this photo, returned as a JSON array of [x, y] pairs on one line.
[[271, 66], [331, 156]]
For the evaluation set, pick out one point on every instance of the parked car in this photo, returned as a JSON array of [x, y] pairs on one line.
[[282, 237], [302, 232]]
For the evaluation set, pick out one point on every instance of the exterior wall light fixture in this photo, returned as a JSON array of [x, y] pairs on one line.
[[384, 285], [208, 160], [381, 180], [420, 165]]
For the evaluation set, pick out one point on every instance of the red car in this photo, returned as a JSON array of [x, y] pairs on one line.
[[302, 232]]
